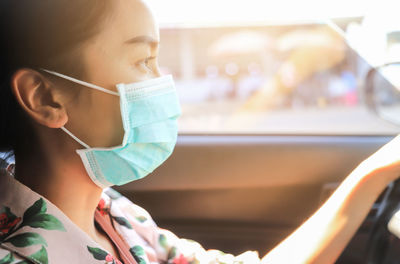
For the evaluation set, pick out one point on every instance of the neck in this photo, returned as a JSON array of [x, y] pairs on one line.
[[62, 179]]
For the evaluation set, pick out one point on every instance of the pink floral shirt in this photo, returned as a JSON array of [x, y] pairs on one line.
[[33, 230]]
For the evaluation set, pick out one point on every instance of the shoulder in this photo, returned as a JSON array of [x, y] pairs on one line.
[[134, 224], [125, 207]]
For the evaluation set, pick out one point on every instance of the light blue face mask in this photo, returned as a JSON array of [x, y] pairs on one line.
[[149, 110]]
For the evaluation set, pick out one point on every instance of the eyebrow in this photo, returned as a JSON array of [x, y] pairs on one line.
[[142, 39]]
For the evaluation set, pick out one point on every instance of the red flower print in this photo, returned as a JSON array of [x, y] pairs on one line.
[[110, 258], [7, 222], [180, 260], [101, 207]]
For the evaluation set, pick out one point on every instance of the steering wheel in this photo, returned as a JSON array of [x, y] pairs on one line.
[[380, 238]]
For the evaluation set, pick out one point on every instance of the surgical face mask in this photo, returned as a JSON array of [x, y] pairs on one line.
[[149, 110]]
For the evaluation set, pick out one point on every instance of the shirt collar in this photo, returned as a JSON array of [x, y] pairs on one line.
[[36, 229]]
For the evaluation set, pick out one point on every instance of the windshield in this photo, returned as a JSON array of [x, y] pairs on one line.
[[269, 69]]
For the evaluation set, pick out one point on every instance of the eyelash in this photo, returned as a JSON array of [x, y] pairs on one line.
[[145, 63]]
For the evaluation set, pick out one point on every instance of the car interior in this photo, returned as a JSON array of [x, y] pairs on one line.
[[275, 116], [245, 174]]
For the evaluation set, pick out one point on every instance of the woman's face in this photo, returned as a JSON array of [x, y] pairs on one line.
[[125, 51]]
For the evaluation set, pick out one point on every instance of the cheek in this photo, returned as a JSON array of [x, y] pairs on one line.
[[108, 118], [117, 126], [98, 120]]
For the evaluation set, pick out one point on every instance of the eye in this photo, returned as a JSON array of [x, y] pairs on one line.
[[146, 64]]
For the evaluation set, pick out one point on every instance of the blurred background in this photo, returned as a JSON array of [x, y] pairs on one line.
[[277, 67]]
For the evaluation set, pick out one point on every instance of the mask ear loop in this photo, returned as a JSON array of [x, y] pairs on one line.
[[93, 86], [76, 138], [89, 85]]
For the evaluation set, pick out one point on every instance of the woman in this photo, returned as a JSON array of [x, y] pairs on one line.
[[77, 79]]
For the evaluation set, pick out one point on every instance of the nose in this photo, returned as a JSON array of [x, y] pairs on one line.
[[157, 72]]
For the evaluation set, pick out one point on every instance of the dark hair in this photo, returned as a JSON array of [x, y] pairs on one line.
[[41, 34]]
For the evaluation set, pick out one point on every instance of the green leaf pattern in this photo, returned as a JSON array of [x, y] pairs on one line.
[[38, 207], [122, 221], [162, 240], [35, 216], [141, 219], [40, 256], [45, 221], [98, 253], [172, 253], [7, 259], [138, 253], [113, 194], [26, 239]]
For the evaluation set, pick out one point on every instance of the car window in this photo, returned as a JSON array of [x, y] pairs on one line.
[[288, 73]]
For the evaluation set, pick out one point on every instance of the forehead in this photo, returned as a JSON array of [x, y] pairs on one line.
[[131, 18]]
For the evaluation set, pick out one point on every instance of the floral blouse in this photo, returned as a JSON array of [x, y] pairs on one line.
[[33, 230]]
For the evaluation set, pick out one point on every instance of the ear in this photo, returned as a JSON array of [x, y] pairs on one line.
[[38, 98]]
